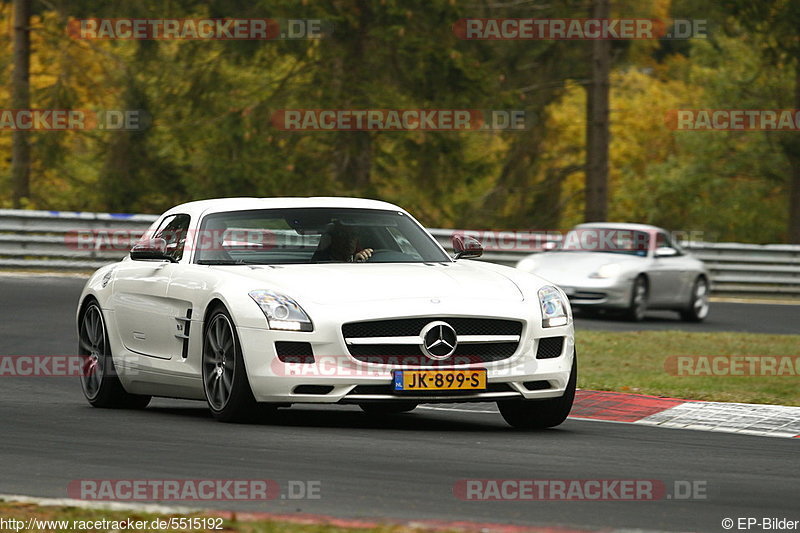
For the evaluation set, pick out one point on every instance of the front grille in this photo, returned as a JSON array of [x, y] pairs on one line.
[[294, 352], [412, 354], [403, 327], [550, 347]]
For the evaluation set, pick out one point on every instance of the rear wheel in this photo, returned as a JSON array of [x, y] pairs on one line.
[[540, 414], [225, 382], [697, 308], [388, 408], [638, 305], [99, 380]]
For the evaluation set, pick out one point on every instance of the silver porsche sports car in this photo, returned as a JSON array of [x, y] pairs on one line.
[[628, 267]]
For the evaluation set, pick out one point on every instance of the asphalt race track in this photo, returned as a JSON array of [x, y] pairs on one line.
[[402, 467]]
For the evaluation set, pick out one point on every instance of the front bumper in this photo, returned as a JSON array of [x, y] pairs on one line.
[[606, 293], [336, 376]]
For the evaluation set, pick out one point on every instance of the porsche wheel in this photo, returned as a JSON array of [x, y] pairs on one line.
[[225, 382], [697, 308], [99, 380], [638, 306]]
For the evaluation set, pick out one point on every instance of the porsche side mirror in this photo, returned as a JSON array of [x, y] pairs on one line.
[[549, 246], [466, 247], [151, 249], [666, 251]]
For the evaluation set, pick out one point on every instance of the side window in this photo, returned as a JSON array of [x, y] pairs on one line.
[[174, 232]]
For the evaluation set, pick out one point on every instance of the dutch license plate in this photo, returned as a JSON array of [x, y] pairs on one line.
[[435, 380]]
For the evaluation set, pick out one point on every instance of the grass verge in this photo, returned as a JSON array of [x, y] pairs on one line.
[[636, 362]]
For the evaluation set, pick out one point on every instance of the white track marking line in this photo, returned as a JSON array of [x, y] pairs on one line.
[[688, 416], [106, 505]]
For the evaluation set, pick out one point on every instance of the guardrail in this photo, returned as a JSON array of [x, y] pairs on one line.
[[66, 241]]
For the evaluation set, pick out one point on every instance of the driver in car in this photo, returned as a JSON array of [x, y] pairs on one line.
[[340, 243]]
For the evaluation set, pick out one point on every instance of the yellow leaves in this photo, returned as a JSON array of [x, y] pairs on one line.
[[639, 136]]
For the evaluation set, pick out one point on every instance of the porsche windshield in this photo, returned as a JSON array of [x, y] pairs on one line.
[[609, 240], [313, 235]]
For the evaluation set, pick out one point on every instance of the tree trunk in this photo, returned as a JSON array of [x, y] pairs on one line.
[[597, 133], [793, 232], [357, 166], [20, 99]]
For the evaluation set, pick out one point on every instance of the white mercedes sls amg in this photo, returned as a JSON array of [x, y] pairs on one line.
[[256, 303]]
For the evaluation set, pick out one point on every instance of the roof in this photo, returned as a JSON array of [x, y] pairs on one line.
[[621, 225], [201, 207]]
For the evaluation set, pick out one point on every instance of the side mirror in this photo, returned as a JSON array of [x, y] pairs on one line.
[[549, 246], [151, 249], [466, 247], [666, 251]]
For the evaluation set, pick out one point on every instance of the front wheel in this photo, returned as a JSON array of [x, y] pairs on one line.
[[225, 382], [638, 304], [99, 380], [697, 308], [541, 414]]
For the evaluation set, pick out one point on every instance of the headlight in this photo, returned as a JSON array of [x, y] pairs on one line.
[[554, 308], [611, 270], [528, 265], [281, 311]]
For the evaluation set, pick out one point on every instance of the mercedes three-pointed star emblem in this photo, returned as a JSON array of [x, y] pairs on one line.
[[438, 340]]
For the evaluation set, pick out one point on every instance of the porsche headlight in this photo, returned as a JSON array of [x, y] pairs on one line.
[[611, 270], [554, 308], [528, 264], [281, 311]]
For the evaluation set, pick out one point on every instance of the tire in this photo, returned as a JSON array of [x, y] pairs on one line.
[[225, 384], [388, 408], [99, 380], [541, 414], [638, 304], [697, 308]]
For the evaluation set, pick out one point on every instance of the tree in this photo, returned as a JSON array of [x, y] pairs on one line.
[[597, 126], [779, 20], [20, 99]]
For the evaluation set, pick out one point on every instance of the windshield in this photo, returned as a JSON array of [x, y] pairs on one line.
[[314, 235], [608, 240]]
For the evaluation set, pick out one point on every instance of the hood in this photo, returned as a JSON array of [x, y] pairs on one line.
[[365, 282], [557, 265]]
